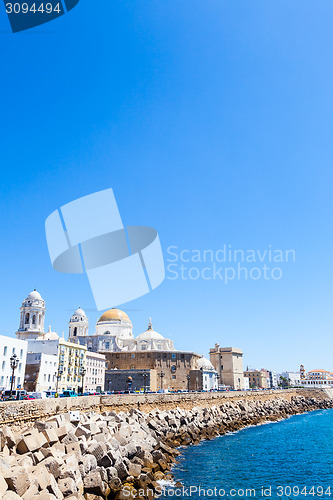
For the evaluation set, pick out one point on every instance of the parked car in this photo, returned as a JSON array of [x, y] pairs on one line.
[[15, 394], [28, 397], [68, 394], [38, 395], [50, 394]]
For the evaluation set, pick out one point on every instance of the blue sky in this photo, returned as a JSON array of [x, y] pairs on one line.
[[212, 122]]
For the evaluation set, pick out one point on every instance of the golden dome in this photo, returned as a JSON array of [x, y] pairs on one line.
[[114, 315]]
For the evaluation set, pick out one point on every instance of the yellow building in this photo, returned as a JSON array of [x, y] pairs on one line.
[[72, 359], [257, 378]]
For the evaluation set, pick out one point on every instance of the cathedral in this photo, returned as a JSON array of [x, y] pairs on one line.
[[150, 352]]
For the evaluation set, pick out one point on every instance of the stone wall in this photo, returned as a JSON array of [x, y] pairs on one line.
[[18, 412]]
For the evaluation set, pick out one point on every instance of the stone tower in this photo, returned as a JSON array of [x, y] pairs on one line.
[[32, 317]]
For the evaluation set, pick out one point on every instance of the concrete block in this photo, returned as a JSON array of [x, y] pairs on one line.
[[51, 436], [53, 465], [67, 486], [18, 480]]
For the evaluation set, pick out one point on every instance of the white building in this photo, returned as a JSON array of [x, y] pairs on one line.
[[41, 372], [95, 372], [8, 347], [209, 374], [292, 377], [273, 380], [318, 378], [246, 384]]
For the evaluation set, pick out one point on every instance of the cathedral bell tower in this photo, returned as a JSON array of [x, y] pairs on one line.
[[78, 325], [32, 317]]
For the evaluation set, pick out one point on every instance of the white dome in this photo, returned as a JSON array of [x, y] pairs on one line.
[[149, 334], [34, 295], [205, 364], [50, 336], [79, 314]]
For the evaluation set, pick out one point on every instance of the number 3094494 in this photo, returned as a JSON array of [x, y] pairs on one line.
[[24, 8]]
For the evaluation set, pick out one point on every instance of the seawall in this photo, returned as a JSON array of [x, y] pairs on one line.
[[20, 412]]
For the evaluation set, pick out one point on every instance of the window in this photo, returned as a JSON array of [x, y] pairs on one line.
[[20, 367], [34, 319], [13, 350], [173, 356], [107, 346], [27, 317], [133, 356], [21, 353], [75, 331], [3, 365], [5, 350], [107, 333], [174, 377]]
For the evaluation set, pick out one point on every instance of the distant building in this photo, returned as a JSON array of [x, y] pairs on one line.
[[41, 372], [8, 347], [246, 383], [228, 362], [318, 378], [273, 380], [72, 357], [94, 378], [293, 378], [257, 378], [204, 377]]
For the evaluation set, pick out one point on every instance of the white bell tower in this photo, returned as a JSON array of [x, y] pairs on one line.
[[78, 325], [32, 317]]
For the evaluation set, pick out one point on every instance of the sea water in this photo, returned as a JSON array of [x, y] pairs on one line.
[[291, 459]]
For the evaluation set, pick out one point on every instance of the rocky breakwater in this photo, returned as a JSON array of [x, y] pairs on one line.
[[90, 456]]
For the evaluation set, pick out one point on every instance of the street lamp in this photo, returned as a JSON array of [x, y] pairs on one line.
[[13, 364], [161, 377], [82, 373], [188, 382], [145, 376]]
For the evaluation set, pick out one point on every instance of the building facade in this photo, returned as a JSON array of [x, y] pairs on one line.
[[293, 378], [41, 372], [204, 377], [94, 378], [8, 347], [71, 359], [319, 378], [257, 379], [228, 362]]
